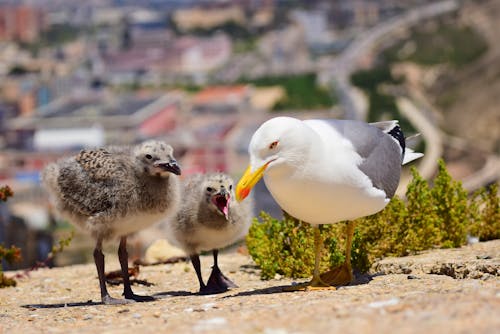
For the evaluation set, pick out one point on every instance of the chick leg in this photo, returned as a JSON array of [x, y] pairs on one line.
[[99, 263], [342, 275], [127, 290], [195, 260], [316, 283], [217, 280]]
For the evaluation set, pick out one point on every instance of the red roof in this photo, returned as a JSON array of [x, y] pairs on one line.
[[221, 94]]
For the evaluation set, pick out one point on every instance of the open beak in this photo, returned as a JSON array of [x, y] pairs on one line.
[[169, 166], [248, 181], [221, 201]]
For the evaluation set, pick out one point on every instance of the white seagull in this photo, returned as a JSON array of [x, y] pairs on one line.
[[327, 171]]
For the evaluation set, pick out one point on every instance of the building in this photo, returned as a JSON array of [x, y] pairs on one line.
[[208, 18], [72, 123], [185, 57], [21, 23]]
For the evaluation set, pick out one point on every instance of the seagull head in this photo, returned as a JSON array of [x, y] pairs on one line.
[[218, 189], [156, 158], [278, 144]]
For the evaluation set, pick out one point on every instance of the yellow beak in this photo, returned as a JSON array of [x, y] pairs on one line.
[[248, 181]]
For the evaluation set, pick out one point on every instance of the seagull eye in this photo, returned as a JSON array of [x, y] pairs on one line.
[[210, 189], [149, 156], [273, 145]]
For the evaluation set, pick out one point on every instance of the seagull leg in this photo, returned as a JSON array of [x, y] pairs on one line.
[[195, 260], [342, 275], [127, 290], [317, 282], [99, 263], [217, 281]]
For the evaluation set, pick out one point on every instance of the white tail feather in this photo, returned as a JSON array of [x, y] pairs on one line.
[[411, 155]]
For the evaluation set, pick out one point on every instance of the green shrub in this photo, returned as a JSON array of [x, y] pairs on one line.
[[420, 228], [302, 91], [11, 254], [485, 217], [438, 216], [450, 208]]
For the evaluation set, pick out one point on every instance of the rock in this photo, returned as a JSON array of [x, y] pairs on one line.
[[209, 324], [383, 303], [161, 250], [459, 263], [388, 303]]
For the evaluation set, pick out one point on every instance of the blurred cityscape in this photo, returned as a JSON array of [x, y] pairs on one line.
[[203, 75]]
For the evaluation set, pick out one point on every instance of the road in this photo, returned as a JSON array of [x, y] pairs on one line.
[[431, 135], [345, 64]]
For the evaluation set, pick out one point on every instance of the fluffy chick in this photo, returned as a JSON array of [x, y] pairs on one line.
[[209, 218], [113, 192]]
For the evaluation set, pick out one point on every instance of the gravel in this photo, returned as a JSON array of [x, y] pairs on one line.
[[442, 291]]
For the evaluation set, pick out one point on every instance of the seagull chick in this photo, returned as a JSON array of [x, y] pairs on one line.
[[209, 219], [327, 171], [112, 192]]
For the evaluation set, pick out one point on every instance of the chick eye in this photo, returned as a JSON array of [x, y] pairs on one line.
[[149, 156], [273, 145], [210, 189], [230, 187]]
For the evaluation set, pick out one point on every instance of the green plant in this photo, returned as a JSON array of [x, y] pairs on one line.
[[5, 192], [420, 229], [485, 216], [12, 254], [286, 247], [302, 91], [450, 207], [437, 216]]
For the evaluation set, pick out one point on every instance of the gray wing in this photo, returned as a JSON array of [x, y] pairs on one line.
[[380, 152], [94, 182]]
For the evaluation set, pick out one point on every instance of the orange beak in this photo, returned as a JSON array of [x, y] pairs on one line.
[[248, 181]]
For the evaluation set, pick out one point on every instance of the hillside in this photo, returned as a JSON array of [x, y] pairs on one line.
[[469, 95]]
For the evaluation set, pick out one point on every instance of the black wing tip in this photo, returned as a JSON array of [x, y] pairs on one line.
[[397, 133]]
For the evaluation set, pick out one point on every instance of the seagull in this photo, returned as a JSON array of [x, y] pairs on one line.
[[327, 171], [112, 192], [208, 220]]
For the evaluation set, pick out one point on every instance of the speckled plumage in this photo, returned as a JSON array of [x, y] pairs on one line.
[[209, 218], [199, 225], [113, 192], [98, 189]]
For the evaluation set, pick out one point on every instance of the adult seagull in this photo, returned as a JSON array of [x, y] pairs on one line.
[[327, 171]]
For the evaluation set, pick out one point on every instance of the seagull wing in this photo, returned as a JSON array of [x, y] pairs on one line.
[[101, 165], [381, 153], [94, 182]]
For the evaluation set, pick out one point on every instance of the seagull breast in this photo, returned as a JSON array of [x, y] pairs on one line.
[[313, 172]]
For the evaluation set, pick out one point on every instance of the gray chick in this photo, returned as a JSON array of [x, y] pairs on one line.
[[113, 192], [209, 218]]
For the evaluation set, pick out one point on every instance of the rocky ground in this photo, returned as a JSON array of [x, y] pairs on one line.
[[443, 291]]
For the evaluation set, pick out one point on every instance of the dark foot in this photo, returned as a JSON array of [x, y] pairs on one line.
[[139, 298], [108, 300], [217, 283], [211, 290]]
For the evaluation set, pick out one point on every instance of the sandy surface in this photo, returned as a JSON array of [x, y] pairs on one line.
[[408, 295]]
